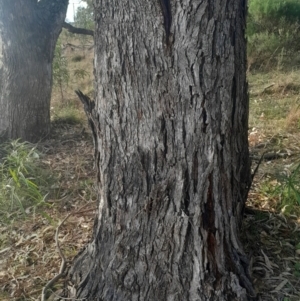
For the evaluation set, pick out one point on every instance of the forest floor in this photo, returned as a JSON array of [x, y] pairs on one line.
[[272, 219], [271, 231]]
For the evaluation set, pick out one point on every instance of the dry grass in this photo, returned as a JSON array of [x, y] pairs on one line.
[[272, 223], [293, 119], [273, 96]]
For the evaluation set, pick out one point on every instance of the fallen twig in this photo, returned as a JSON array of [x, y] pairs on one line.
[[268, 87]]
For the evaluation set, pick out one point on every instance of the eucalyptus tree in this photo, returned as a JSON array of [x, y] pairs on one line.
[[170, 125]]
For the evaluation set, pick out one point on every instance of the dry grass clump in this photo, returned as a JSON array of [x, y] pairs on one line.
[[293, 119]]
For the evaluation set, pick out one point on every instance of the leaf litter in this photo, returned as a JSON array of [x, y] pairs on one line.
[[28, 255]]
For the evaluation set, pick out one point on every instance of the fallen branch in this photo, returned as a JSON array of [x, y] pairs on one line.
[[271, 156], [78, 30]]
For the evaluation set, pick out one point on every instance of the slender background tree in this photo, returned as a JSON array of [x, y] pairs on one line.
[[29, 32], [170, 126]]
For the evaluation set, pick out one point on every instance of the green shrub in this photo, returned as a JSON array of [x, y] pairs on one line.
[[285, 190], [272, 11], [290, 191]]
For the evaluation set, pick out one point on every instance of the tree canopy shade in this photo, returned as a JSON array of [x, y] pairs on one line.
[[170, 126]]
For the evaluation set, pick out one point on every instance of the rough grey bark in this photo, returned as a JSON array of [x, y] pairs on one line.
[[29, 31], [170, 121]]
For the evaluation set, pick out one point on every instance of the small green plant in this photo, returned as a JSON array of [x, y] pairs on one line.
[[286, 190], [67, 114], [290, 191], [297, 269], [61, 74], [80, 73], [20, 186]]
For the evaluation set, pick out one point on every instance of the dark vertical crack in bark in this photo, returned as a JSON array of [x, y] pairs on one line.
[[186, 195], [195, 171], [204, 117], [167, 14], [233, 97], [191, 92], [165, 135], [208, 215]]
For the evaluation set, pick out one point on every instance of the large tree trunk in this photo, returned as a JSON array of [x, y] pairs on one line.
[[29, 31], [172, 153]]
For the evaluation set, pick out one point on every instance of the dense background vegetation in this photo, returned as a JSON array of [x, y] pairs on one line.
[[273, 34]]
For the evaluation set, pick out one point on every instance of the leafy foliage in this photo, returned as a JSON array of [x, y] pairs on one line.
[[84, 17]]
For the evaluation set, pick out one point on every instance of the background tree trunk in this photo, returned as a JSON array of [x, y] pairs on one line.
[[29, 31], [171, 121]]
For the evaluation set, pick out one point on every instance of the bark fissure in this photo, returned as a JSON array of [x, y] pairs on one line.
[[166, 10]]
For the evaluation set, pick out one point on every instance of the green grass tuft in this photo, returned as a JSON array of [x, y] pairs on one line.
[[21, 184]]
